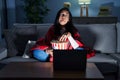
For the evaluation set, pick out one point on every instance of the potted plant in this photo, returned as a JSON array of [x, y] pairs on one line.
[[35, 10]]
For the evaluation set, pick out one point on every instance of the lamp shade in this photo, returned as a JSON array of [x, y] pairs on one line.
[[84, 1], [67, 4]]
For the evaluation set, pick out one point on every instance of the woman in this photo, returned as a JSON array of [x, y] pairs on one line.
[[62, 30]]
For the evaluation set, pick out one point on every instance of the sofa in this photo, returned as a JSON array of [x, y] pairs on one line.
[[104, 38]]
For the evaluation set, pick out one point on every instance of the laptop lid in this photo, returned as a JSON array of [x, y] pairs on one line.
[[69, 60]]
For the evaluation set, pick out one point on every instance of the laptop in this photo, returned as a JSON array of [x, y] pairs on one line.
[[69, 60]]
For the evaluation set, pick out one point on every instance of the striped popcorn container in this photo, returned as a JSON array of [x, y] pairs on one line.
[[59, 45]]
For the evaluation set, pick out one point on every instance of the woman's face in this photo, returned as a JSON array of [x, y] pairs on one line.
[[64, 17]]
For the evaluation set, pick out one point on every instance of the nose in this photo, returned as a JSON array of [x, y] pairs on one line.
[[63, 15]]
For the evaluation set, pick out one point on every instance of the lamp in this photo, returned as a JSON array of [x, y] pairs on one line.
[[84, 5], [67, 4]]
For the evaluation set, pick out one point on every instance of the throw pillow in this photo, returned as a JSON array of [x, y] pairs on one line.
[[27, 53]]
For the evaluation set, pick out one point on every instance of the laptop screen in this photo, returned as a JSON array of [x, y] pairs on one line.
[[69, 60]]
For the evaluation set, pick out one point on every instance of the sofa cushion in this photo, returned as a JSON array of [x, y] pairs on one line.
[[103, 62], [42, 29], [25, 30], [101, 37], [101, 57], [23, 34], [16, 39], [11, 48]]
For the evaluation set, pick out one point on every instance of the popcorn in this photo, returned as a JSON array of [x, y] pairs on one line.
[[59, 45]]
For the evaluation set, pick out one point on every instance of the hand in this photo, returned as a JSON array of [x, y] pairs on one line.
[[49, 51], [64, 36]]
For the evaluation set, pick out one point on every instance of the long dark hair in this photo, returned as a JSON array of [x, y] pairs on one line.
[[69, 26]]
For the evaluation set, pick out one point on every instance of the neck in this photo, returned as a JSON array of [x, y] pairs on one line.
[[62, 26]]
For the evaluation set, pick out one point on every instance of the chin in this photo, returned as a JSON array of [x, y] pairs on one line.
[[62, 24]]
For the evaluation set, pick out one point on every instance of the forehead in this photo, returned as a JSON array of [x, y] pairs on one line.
[[64, 11]]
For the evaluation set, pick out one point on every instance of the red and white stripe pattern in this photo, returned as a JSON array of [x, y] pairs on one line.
[[60, 45]]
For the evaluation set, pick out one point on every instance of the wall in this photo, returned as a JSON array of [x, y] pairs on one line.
[[11, 15], [55, 5], [75, 7], [6, 17], [16, 12]]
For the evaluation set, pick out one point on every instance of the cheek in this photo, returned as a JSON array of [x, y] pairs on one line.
[[67, 20]]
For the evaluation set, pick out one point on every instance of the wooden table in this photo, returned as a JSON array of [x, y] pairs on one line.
[[44, 70]]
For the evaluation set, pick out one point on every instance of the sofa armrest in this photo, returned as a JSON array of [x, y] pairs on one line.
[[3, 53], [116, 56]]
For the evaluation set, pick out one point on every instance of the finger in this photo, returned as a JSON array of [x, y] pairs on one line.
[[65, 38], [61, 38]]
